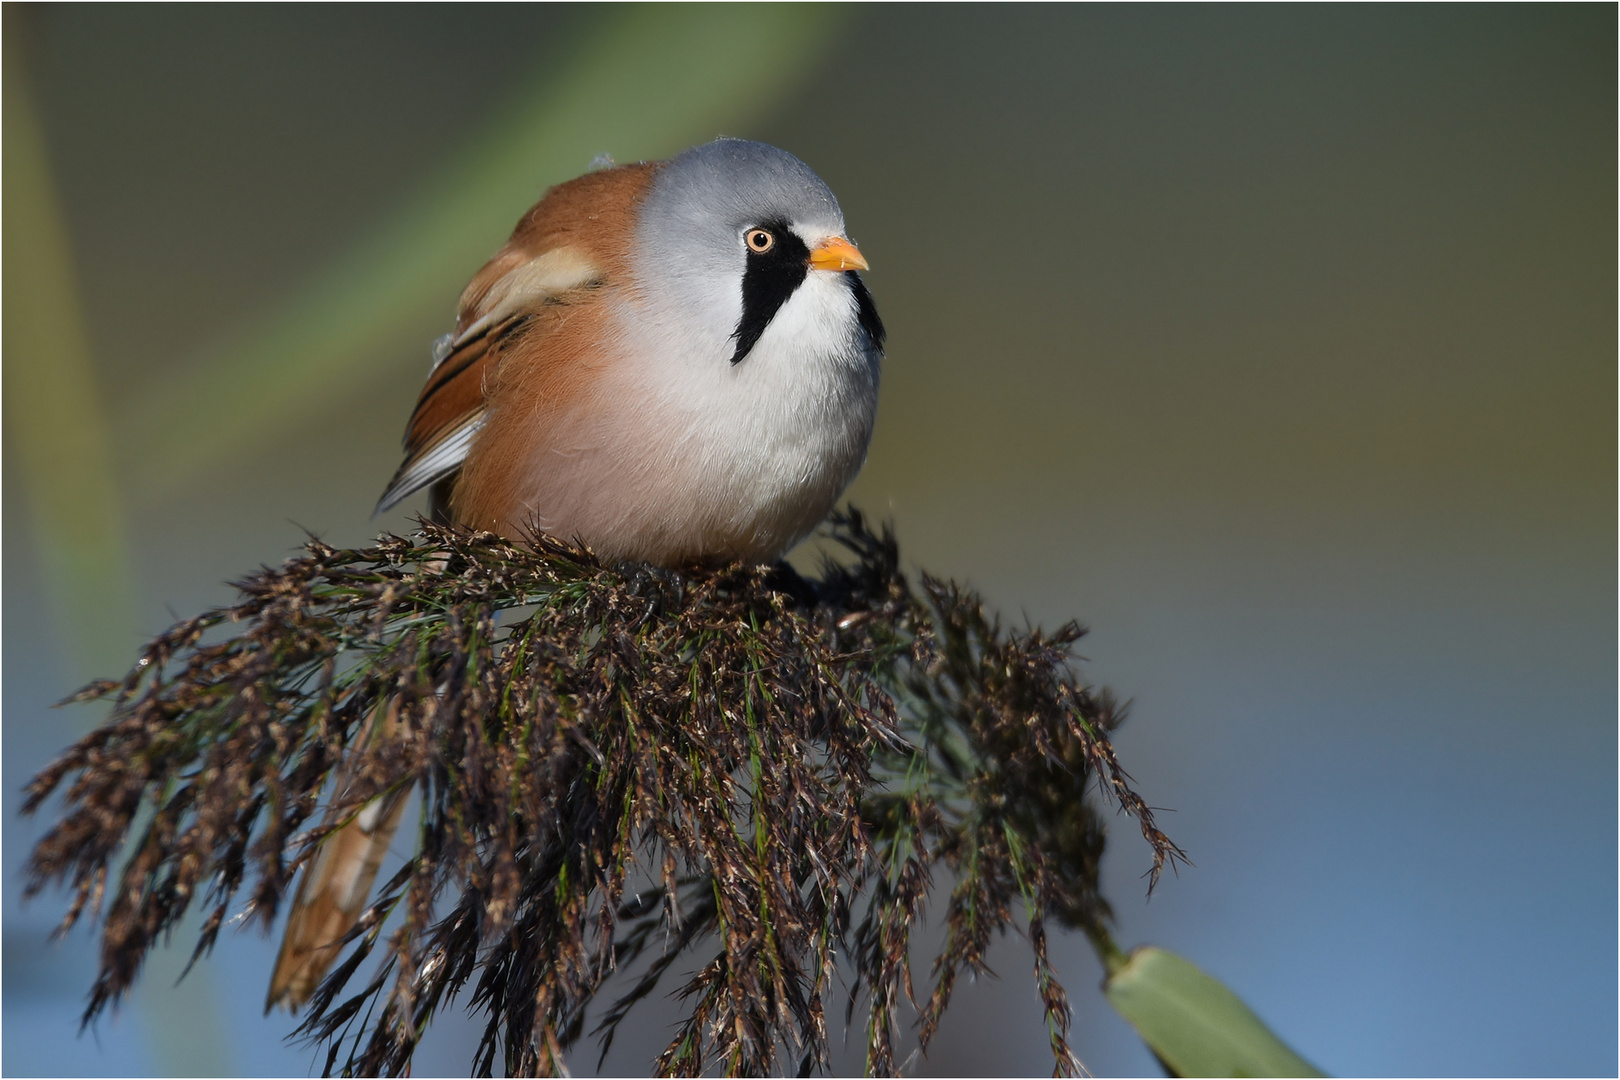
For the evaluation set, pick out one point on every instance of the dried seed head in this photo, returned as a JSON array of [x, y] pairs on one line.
[[615, 764]]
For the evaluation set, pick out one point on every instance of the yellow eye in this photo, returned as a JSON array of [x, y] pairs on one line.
[[759, 241]]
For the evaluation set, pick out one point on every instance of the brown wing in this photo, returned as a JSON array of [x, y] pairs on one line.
[[447, 416], [571, 240]]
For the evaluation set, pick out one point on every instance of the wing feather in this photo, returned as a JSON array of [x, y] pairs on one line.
[[562, 250], [431, 462], [449, 412]]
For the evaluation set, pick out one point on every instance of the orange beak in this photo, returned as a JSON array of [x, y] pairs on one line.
[[836, 253]]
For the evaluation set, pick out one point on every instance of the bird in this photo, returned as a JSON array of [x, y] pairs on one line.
[[669, 362]]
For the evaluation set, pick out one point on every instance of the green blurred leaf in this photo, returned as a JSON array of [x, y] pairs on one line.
[[1194, 1024], [56, 429], [55, 420], [646, 82]]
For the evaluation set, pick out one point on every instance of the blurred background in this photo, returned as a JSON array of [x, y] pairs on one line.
[[1277, 344]]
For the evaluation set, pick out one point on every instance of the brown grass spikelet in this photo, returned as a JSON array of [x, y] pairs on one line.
[[753, 774]]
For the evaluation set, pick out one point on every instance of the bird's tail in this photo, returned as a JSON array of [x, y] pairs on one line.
[[332, 892]]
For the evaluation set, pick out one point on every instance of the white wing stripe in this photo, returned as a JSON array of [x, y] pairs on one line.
[[443, 458]]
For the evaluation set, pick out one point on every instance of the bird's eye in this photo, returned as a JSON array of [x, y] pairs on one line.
[[759, 241]]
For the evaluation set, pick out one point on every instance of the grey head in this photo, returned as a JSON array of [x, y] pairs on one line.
[[703, 198], [699, 239]]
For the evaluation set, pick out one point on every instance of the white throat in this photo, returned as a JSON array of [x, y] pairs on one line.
[[745, 458]]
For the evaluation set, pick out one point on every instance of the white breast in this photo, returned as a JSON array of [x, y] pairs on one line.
[[680, 454]]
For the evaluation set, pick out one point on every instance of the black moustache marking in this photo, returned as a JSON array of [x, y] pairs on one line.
[[767, 283], [867, 311]]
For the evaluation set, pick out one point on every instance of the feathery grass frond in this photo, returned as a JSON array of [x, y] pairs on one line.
[[741, 767]]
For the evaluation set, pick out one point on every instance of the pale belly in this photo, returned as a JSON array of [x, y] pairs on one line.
[[742, 468]]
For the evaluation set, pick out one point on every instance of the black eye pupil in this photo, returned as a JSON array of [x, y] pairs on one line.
[[759, 240]]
